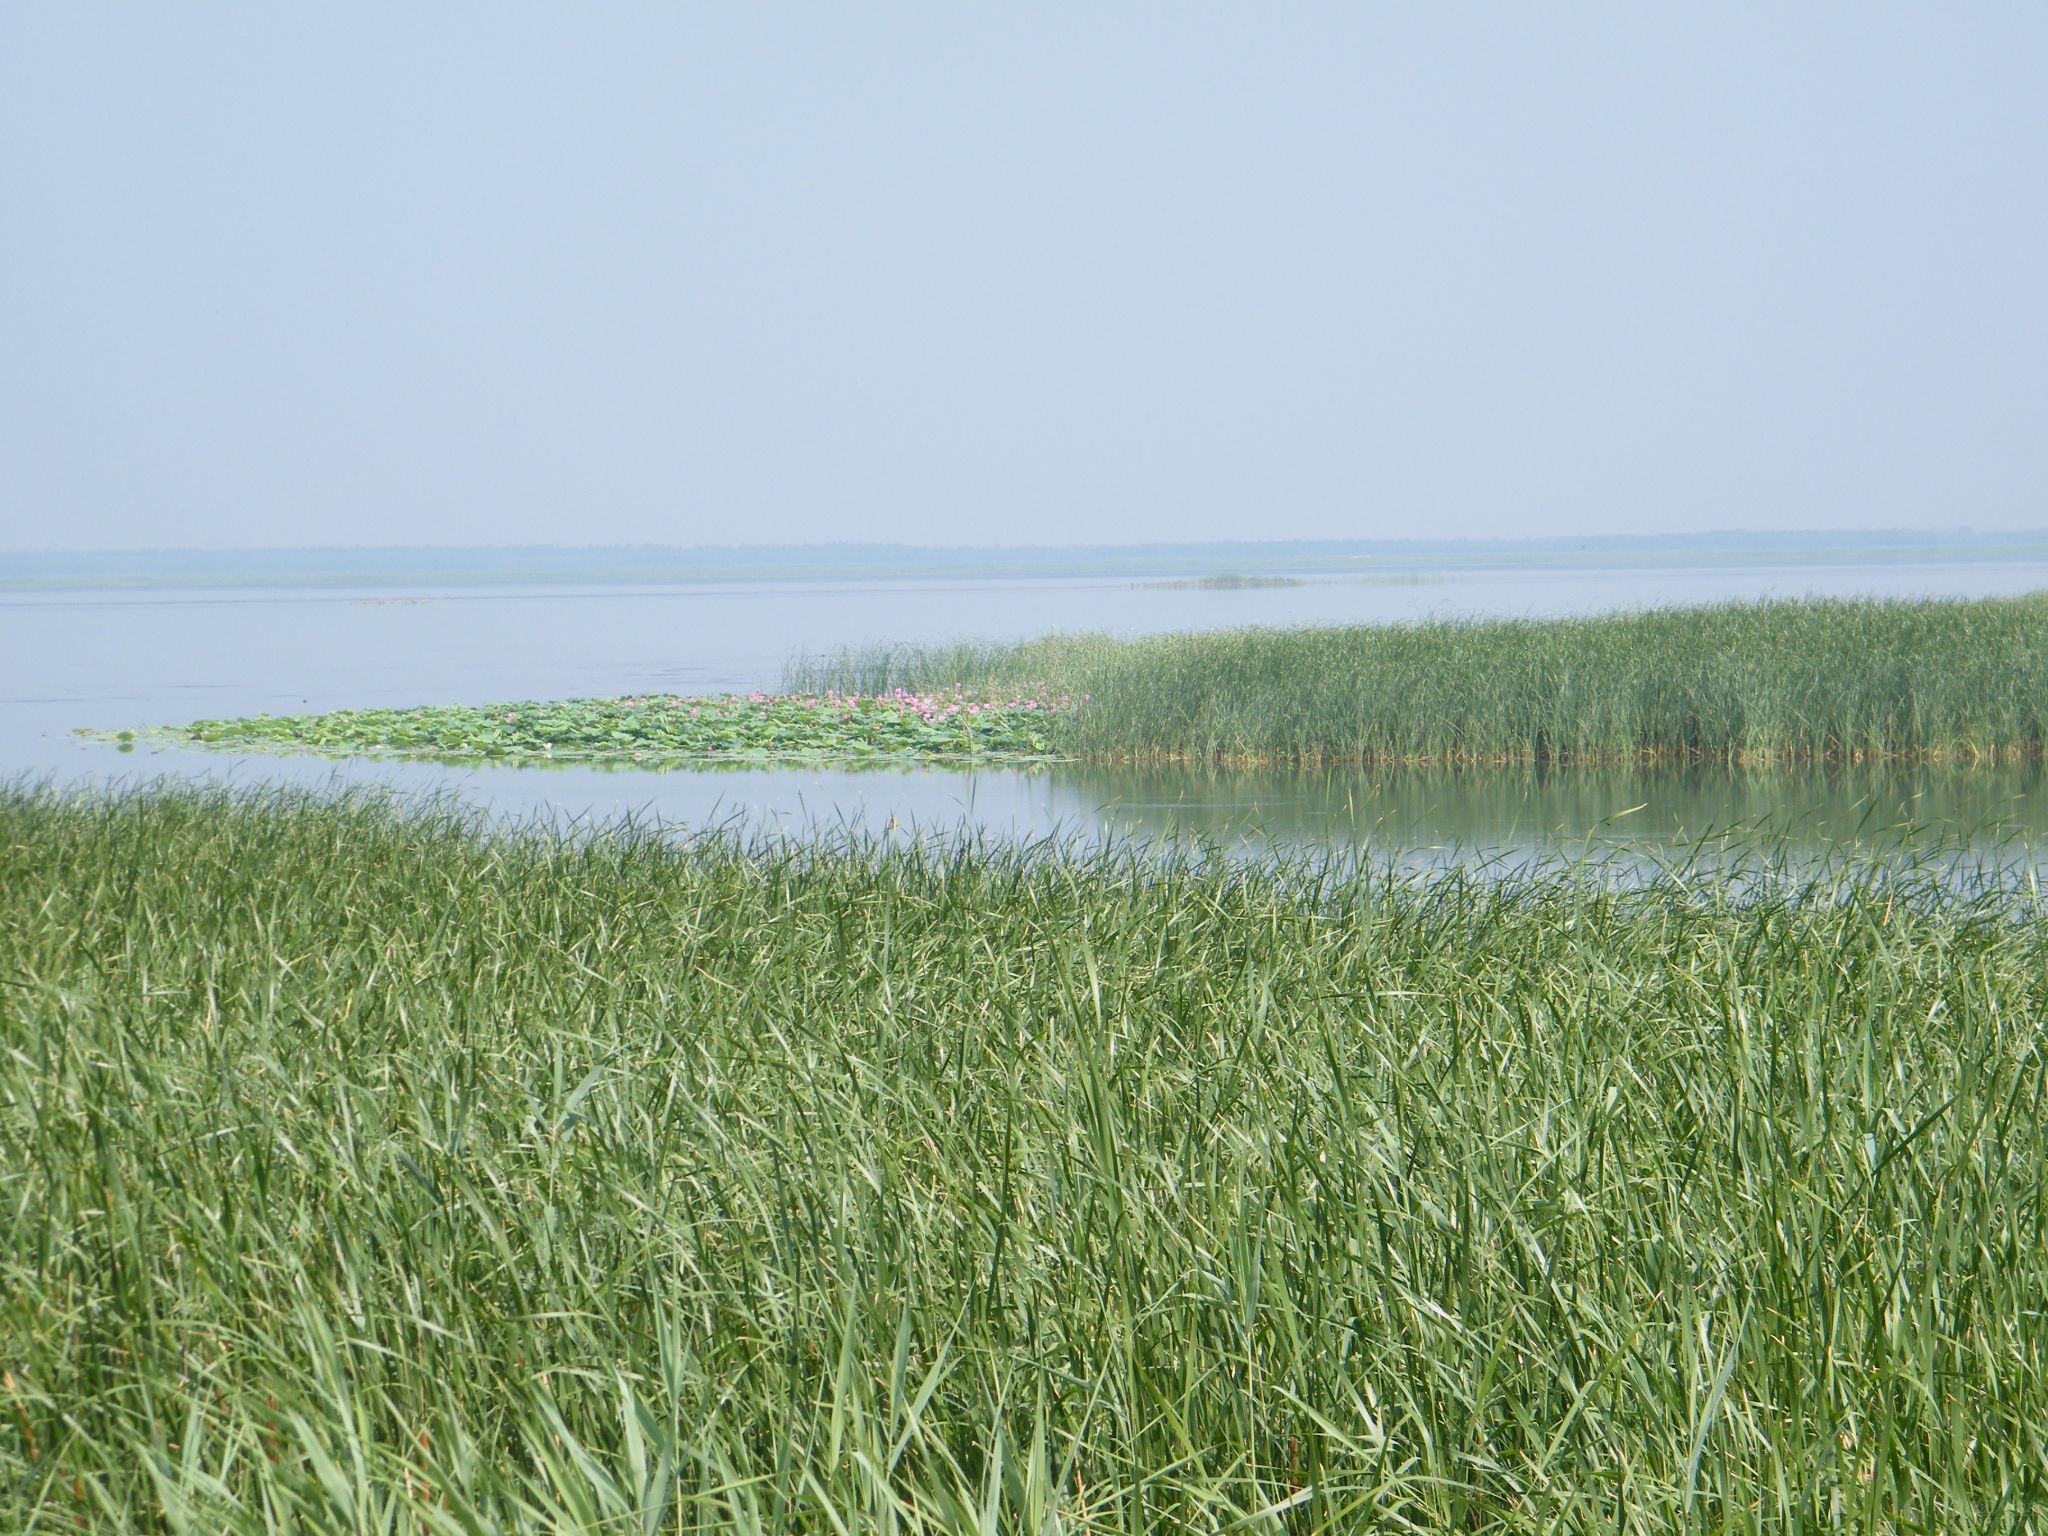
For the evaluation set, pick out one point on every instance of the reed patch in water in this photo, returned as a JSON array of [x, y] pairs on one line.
[[1756, 684]]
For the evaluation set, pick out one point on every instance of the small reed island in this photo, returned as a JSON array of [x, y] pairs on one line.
[[1775, 683]]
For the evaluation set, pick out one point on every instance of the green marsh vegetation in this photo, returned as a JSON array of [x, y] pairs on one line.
[[368, 1170], [947, 724], [1781, 683]]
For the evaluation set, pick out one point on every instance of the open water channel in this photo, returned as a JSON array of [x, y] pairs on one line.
[[111, 660]]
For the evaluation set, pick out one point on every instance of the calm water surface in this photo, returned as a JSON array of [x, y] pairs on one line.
[[114, 660]]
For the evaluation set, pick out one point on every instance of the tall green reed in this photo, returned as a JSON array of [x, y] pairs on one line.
[[368, 1171], [1778, 682]]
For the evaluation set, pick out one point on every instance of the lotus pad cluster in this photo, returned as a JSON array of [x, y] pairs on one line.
[[948, 725]]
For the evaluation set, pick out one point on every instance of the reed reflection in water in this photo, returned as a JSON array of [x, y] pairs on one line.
[[1555, 809]]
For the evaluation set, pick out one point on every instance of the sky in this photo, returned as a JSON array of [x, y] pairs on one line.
[[969, 273]]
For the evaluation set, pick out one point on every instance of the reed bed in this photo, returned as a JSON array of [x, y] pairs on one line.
[[368, 1171], [1767, 683]]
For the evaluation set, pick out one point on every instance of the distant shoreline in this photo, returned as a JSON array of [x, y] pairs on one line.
[[661, 565]]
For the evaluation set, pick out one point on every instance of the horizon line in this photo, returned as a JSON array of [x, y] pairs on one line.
[[1965, 533]]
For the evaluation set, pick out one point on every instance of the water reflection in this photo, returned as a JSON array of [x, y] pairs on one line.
[[1559, 809], [1419, 816]]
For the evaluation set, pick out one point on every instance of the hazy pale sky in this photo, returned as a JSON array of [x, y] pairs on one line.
[[1022, 273]]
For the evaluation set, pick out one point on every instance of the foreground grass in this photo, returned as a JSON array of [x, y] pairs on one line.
[[1749, 683], [366, 1173], [948, 724]]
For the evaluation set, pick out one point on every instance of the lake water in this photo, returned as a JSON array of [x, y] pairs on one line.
[[110, 660]]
